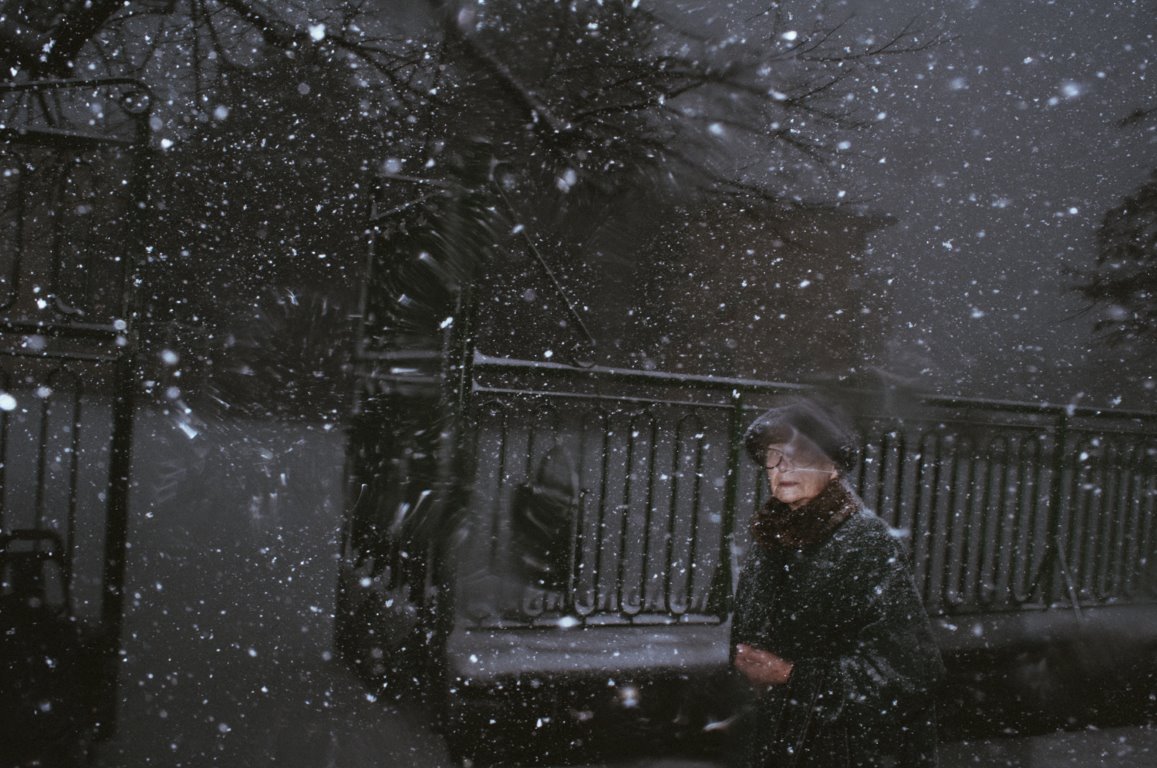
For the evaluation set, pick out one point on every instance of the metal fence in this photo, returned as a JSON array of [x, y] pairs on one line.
[[647, 530], [1011, 505], [74, 160], [1005, 506]]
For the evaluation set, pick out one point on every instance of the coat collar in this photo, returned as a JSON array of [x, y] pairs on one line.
[[779, 526]]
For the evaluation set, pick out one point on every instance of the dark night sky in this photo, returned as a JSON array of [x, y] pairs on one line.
[[998, 153], [1003, 151]]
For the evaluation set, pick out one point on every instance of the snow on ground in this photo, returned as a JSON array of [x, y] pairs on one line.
[[228, 622]]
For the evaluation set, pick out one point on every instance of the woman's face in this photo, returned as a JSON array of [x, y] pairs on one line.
[[797, 470]]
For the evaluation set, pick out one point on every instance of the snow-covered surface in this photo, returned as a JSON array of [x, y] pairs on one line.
[[228, 617], [488, 655], [1043, 626], [1111, 748]]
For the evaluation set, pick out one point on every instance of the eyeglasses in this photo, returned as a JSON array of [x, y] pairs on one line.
[[802, 459]]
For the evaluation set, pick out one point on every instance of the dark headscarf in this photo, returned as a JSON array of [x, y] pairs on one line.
[[823, 426]]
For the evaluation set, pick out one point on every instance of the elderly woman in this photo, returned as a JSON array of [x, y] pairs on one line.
[[828, 629]]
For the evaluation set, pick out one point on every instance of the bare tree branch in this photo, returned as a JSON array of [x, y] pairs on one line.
[[53, 52]]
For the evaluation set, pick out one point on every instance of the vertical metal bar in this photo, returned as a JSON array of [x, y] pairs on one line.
[[1011, 511], [957, 520], [369, 271], [580, 564], [696, 511], [1081, 538], [455, 468], [1024, 520], [620, 569], [628, 493], [458, 471], [541, 417], [1147, 499], [981, 508], [577, 561], [18, 235], [761, 492], [1040, 531], [862, 470], [1051, 562], [120, 453], [975, 505], [476, 450], [672, 511], [719, 596], [1004, 558], [678, 476], [500, 483], [41, 462], [1126, 471], [531, 420], [990, 552], [600, 535], [3, 455], [881, 470], [73, 483], [116, 527], [1106, 553], [648, 513], [570, 588], [950, 580], [898, 490], [59, 221], [933, 501], [971, 556], [1091, 491], [1120, 553], [1134, 523], [1128, 544], [1066, 575]]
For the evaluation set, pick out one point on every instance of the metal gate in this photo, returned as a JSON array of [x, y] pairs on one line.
[[73, 170]]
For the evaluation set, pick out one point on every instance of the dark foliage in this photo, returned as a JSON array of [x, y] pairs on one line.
[[1123, 284], [561, 126]]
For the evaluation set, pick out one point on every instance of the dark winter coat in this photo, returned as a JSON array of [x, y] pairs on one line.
[[847, 614]]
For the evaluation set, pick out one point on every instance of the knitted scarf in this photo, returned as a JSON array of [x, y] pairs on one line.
[[778, 525]]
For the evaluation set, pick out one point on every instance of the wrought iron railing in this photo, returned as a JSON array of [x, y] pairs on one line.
[[74, 164], [998, 499], [1005, 506], [646, 537]]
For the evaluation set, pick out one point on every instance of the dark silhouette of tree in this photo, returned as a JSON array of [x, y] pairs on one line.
[[566, 120], [257, 247], [1123, 284], [593, 88]]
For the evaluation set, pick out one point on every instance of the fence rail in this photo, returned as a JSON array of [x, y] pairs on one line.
[[1005, 505]]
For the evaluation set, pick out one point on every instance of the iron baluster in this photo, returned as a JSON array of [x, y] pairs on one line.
[[933, 498], [73, 482], [648, 509], [722, 588]]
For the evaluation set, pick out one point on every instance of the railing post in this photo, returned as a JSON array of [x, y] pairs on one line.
[[116, 538], [455, 471], [719, 596], [1053, 565]]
